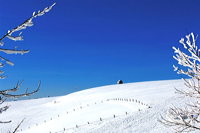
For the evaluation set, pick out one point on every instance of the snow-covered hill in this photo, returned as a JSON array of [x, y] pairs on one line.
[[124, 108]]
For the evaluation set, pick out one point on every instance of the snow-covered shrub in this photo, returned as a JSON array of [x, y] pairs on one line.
[[187, 119], [10, 93]]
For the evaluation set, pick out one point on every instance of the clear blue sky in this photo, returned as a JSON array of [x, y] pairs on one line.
[[87, 43]]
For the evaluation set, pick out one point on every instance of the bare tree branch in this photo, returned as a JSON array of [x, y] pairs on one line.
[[4, 122], [18, 126], [23, 94]]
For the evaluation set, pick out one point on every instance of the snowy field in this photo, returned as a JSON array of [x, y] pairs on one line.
[[125, 108]]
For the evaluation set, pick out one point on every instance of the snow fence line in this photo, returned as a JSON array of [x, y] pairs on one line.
[[130, 100], [88, 105], [64, 130]]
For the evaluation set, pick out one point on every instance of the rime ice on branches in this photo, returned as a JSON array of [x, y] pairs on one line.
[[11, 93], [187, 119]]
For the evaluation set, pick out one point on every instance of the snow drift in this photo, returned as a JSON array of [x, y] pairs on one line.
[[124, 108]]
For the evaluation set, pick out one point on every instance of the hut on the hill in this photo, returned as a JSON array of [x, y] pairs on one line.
[[119, 82]]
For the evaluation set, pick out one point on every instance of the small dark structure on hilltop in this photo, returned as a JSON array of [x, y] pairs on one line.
[[119, 82]]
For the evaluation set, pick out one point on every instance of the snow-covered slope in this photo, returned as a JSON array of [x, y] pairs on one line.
[[115, 108]]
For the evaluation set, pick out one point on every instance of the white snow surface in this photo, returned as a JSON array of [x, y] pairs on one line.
[[106, 109]]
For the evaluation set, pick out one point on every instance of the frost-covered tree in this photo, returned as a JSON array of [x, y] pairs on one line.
[[11, 34], [187, 119]]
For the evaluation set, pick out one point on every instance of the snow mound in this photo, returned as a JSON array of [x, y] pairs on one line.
[[124, 108]]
